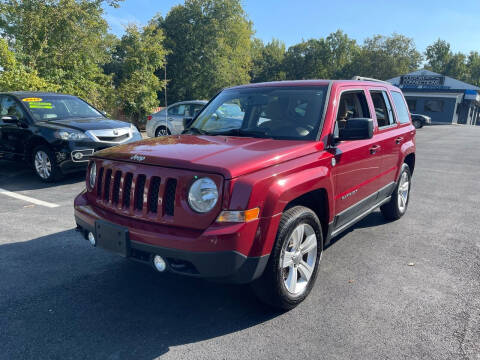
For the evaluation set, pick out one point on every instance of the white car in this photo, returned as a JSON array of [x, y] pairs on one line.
[[170, 120]]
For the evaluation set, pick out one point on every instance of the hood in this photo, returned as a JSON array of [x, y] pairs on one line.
[[84, 124], [226, 155]]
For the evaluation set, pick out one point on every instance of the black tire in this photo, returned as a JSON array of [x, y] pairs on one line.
[[392, 210], [55, 173], [160, 130], [270, 288], [418, 124]]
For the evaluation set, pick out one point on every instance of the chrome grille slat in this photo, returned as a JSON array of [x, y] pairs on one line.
[[136, 193]]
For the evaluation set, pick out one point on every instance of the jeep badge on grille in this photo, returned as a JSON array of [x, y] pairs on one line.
[[137, 157]]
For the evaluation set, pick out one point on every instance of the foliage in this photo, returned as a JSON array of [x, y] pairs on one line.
[[64, 41], [209, 44], [384, 57], [267, 61], [137, 57], [15, 76]]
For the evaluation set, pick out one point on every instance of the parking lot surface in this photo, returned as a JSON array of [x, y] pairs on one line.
[[403, 290]]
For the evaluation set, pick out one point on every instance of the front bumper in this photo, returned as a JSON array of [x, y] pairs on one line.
[[65, 150], [206, 254]]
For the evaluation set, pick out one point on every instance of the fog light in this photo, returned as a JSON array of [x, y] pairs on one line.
[[78, 156], [91, 238], [159, 263]]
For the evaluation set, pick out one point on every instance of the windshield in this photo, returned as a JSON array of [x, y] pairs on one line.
[[274, 112], [53, 107]]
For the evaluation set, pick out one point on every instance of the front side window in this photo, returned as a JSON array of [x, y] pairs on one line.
[[276, 112], [383, 108], [10, 107], [54, 107], [402, 110], [352, 104]]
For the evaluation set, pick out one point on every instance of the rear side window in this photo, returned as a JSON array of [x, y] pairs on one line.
[[383, 108], [402, 111]]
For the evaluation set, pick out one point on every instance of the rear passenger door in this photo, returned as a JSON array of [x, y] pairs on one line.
[[357, 163], [385, 135]]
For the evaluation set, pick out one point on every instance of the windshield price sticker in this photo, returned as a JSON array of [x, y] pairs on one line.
[[40, 105], [32, 99]]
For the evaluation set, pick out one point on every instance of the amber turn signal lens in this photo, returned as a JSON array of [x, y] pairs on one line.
[[239, 216]]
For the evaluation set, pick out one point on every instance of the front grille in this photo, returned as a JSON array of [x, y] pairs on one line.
[[153, 194], [113, 138], [170, 196], [116, 187], [108, 180], [127, 188], [128, 192], [139, 190]]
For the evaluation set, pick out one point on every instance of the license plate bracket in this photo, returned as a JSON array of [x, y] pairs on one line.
[[112, 237]]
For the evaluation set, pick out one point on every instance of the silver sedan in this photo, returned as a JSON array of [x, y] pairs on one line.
[[170, 120]]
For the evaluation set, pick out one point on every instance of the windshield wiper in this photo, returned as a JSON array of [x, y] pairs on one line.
[[195, 130], [244, 132]]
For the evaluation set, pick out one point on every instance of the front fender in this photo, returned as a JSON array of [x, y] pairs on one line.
[[272, 189]]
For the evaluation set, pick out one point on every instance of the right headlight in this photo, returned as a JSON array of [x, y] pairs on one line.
[[203, 195], [92, 175]]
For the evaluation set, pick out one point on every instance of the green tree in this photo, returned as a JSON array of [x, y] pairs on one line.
[[209, 44], [473, 64], [138, 55], [327, 58], [308, 60], [384, 57], [64, 41], [15, 76], [438, 56], [267, 61]]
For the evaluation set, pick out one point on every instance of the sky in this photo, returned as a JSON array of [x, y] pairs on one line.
[[292, 21]]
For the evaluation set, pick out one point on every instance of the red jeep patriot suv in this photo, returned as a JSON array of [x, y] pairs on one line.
[[265, 176]]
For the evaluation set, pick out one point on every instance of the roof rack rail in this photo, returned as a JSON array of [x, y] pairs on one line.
[[362, 78]]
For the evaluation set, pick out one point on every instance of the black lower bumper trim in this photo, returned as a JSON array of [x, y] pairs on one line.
[[224, 266]]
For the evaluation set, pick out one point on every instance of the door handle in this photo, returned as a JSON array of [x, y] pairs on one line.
[[374, 149], [398, 140]]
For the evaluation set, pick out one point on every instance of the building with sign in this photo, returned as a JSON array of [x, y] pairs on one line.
[[444, 99]]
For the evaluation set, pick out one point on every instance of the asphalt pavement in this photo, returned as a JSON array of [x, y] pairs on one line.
[[402, 290]]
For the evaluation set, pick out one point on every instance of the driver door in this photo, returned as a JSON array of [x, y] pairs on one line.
[[12, 136], [357, 163]]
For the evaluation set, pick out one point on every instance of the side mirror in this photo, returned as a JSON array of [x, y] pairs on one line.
[[10, 119], [187, 122], [356, 129]]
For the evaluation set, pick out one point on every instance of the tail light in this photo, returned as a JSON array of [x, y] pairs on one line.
[[149, 117]]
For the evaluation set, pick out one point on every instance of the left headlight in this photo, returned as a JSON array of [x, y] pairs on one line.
[[70, 135], [92, 176], [203, 195]]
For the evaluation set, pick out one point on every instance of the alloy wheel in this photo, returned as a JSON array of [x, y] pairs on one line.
[[403, 191], [43, 165], [298, 259]]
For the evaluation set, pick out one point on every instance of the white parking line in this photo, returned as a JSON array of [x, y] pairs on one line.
[[27, 198]]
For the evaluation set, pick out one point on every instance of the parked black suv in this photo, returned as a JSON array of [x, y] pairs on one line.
[[56, 133]]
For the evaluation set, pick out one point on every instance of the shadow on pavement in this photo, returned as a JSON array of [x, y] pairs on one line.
[[59, 298], [19, 176]]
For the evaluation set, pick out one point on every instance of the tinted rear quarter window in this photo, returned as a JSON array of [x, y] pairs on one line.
[[402, 111]]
